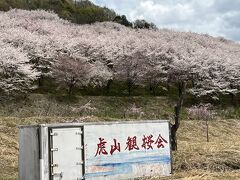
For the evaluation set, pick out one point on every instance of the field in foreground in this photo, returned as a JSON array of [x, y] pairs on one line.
[[195, 158]]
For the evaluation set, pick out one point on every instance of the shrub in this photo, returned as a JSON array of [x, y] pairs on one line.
[[201, 112]]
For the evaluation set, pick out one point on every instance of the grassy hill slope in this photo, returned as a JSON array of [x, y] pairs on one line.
[[195, 158]]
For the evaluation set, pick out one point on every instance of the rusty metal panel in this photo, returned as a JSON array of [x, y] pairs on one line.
[[127, 150]]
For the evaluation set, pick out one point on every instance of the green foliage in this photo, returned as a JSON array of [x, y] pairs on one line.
[[119, 89], [122, 20], [88, 15], [4, 6], [83, 12], [80, 12], [142, 24]]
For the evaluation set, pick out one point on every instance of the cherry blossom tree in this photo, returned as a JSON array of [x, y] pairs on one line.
[[76, 72], [16, 73], [96, 54], [196, 64], [72, 72], [100, 75], [23, 29], [129, 69], [192, 61]]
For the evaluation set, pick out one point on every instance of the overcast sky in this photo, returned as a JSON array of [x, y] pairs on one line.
[[214, 17]]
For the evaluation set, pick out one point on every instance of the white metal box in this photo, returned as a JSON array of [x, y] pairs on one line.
[[113, 150]]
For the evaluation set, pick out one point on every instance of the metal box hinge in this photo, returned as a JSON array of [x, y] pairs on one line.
[[79, 148], [54, 149], [79, 133], [54, 165], [53, 134], [57, 174], [79, 163]]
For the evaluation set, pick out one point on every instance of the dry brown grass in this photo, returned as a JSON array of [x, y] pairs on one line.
[[195, 158], [198, 159]]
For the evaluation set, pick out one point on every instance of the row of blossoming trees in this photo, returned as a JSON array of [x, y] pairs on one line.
[[36, 44]]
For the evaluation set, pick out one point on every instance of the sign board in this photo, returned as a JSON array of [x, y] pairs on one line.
[[127, 150], [106, 150]]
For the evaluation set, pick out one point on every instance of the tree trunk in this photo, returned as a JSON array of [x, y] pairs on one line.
[[177, 109], [193, 83], [233, 100], [40, 81], [129, 85], [109, 85], [152, 87], [70, 90], [168, 86], [154, 91], [233, 97], [129, 90], [207, 130]]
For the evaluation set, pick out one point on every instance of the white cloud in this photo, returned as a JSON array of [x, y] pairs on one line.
[[214, 17]]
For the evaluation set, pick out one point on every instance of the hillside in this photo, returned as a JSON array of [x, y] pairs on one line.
[[113, 53], [53, 70], [195, 158], [81, 12]]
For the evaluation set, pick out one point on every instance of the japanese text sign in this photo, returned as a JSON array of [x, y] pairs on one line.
[[127, 150]]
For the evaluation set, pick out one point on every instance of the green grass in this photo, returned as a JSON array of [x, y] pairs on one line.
[[100, 106]]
